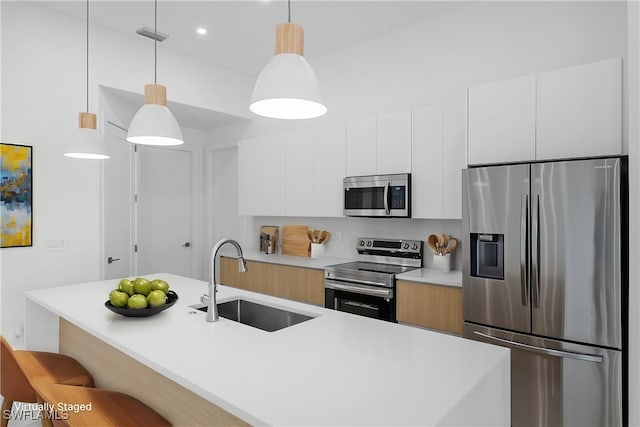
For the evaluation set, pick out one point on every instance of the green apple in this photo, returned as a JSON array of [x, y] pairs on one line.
[[156, 298], [137, 301], [126, 285], [159, 284], [142, 286], [118, 298]]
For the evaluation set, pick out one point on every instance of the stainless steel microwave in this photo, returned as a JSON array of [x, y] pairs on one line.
[[386, 196]]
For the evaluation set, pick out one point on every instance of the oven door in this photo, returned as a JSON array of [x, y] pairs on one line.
[[364, 300]]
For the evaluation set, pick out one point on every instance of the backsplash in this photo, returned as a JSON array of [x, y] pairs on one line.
[[347, 230]]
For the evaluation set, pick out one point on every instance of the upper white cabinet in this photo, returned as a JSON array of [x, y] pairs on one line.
[[454, 155], [502, 121], [299, 173], [572, 112], [294, 174], [261, 176], [394, 142], [438, 157], [580, 111], [427, 167], [329, 170], [379, 144], [361, 146]]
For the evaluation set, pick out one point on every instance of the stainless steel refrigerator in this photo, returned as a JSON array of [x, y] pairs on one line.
[[544, 274]]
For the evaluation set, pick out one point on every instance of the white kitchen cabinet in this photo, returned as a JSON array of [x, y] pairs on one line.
[[329, 170], [427, 162], [454, 155], [361, 147], [502, 121], [579, 111], [261, 176], [299, 166], [393, 142], [438, 157]]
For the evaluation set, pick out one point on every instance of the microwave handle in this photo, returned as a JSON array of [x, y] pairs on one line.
[[386, 198]]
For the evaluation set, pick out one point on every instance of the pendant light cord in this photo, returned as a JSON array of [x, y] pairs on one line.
[[289, 8], [155, 44], [87, 56]]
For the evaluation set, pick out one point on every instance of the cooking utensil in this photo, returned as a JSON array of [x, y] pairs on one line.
[[324, 236], [451, 245], [432, 240], [316, 236], [441, 240], [445, 240], [310, 235]]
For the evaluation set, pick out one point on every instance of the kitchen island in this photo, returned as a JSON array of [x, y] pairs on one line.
[[335, 369]]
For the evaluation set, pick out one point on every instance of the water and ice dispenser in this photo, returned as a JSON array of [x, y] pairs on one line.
[[487, 255]]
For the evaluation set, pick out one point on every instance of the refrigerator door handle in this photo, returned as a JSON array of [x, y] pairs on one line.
[[524, 226], [545, 351], [535, 252]]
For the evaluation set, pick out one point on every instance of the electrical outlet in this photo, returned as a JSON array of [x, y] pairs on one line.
[[19, 332], [338, 237], [55, 245]]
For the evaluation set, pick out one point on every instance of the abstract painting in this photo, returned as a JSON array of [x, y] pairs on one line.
[[16, 182]]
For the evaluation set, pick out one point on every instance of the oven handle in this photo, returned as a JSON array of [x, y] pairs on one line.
[[359, 289], [351, 280]]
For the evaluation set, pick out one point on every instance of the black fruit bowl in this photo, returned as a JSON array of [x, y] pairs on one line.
[[172, 297]]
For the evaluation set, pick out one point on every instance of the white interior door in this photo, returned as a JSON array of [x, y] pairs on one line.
[[164, 211], [118, 207]]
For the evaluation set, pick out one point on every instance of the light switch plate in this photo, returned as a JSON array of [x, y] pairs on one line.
[[56, 244]]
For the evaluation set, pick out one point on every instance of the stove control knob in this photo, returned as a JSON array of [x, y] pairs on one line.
[[361, 242], [414, 246], [369, 243], [405, 246]]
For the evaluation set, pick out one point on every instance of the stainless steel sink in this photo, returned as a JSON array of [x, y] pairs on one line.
[[259, 316]]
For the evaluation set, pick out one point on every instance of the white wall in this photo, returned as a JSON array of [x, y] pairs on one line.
[[43, 90]]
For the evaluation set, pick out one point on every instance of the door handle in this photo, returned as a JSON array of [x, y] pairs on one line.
[[524, 227], [186, 245], [111, 260], [535, 252]]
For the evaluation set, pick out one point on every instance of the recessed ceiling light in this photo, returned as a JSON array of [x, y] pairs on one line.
[[201, 31]]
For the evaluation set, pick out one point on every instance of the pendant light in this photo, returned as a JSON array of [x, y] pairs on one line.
[[154, 124], [86, 142], [287, 87]]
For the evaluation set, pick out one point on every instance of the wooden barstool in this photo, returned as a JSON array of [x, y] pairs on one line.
[[83, 407], [20, 368]]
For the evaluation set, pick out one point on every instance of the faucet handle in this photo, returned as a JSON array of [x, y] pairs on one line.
[[204, 298]]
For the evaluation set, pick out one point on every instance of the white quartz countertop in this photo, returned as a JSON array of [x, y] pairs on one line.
[[433, 276], [336, 369], [295, 261]]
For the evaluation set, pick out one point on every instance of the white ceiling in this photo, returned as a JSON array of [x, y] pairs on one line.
[[240, 32]]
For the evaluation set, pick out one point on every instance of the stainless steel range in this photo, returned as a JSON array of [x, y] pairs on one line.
[[368, 286]]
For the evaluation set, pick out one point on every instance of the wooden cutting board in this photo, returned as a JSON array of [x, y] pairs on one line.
[[295, 240]]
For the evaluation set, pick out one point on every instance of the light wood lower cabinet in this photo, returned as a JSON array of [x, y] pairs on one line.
[[112, 369], [430, 306], [295, 283]]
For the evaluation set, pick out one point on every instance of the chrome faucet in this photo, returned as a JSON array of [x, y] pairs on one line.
[[212, 309]]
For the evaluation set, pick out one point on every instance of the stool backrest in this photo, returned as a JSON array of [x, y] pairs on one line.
[[14, 385]]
